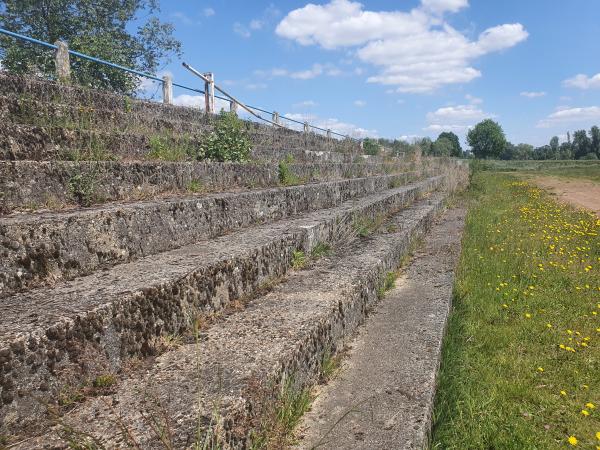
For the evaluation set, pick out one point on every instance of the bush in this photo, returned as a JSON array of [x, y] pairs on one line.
[[590, 156], [228, 141]]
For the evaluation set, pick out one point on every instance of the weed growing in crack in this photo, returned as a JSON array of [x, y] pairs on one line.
[[387, 284], [299, 259], [286, 176], [195, 186], [320, 250]]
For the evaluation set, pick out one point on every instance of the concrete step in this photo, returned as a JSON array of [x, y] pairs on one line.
[[54, 185], [49, 246], [53, 338], [382, 397], [83, 107], [227, 385], [42, 143]]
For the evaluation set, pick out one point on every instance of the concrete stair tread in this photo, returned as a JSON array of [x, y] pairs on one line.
[[55, 336], [43, 306], [238, 363], [43, 246]]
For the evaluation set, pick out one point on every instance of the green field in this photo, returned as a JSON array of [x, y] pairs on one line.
[[565, 169], [521, 360]]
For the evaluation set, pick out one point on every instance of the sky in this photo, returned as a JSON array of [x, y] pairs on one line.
[[400, 69]]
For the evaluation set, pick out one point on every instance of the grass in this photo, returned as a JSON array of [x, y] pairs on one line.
[[299, 260], [521, 359]]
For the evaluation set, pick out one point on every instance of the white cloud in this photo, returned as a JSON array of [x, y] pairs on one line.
[[241, 30], [360, 103], [582, 81], [197, 101], [529, 94], [183, 18], [256, 24], [569, 115], [332, 124], [208, 12], [416, 50], [441, 6], [457, 118], [305, 104], [473, 100], [306, 74]]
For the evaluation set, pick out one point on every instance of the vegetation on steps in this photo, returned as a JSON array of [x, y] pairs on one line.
[[522, 355]]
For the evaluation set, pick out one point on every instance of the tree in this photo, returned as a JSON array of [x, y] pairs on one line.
[[595, 144], [453, 138], [581, 144], [371, 147], [99, 28], [565, 151], [442, 147], [426, 146], [487, 139]]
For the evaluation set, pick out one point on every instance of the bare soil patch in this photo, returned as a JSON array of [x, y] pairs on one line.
[[577, 192]]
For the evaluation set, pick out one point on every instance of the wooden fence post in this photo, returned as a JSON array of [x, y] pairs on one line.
[[276, 117], [209, 93], [167, 90], [63, 65], [306, 127], [233, 107]]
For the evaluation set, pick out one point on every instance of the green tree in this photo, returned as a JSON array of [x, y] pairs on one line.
[[442, 147], [99, 28], [582, 144], [453, 138], [426, 146], [595, 144], [487, 139], [371, 147]]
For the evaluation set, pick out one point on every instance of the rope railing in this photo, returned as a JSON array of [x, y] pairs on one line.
[[63, 71]]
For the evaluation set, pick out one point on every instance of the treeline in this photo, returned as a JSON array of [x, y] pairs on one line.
[[447, 144], [582, 145], [487, 141]]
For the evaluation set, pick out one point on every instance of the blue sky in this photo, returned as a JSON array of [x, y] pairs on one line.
[[401, 68]]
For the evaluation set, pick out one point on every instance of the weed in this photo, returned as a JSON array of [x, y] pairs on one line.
[[387, 284], [195, 186], [228, 141], [165, 149], [127, 104], [298, 259], [329, 366], [104, 381], [364, 226], [286, 176], [82, 187], [320, 250], [69, 396]]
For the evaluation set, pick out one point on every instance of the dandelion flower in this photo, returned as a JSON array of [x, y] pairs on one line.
[[528, 315], [585, 412], [540, 369], [563, 393], [572, 440], [590, 405]]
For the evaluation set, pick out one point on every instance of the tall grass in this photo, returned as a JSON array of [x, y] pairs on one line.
[[521, 360]]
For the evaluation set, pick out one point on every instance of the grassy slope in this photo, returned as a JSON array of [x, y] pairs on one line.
[[521, 289]]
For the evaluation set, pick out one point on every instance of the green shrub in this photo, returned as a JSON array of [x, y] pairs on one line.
[[286, 177], [164, 148], [228, 141]]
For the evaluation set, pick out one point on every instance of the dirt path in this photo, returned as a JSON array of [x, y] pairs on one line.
[[578, 192]]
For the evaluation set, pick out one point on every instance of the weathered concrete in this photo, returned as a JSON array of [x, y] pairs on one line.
[[44, 112], [227, 383], [46, 247], [382, 397], [34, 185], [55, 337]]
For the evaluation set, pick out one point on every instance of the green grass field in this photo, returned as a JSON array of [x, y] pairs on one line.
[[565, 169], [521, 360]]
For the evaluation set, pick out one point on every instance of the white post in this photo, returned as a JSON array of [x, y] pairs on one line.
[[209, 93], [328, 134], [306, 127], [276, 117], [167, 90], [233, 107], [63, 66]]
